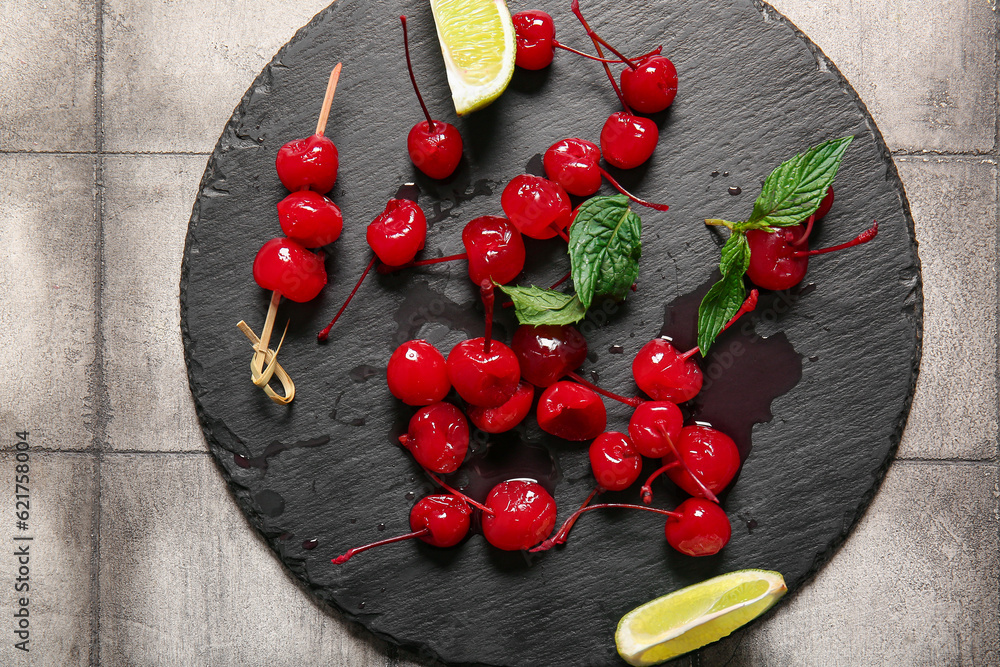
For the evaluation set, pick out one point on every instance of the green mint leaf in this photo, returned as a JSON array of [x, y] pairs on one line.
[[796, 187], [537, 306], [726, 296], [604, 248]]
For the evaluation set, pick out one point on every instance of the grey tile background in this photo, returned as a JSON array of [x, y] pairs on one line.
[[109, 110]]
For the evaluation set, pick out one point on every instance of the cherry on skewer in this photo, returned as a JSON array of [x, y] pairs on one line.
[[524, 514], [435, 147], [311, 163], [416, 373], [310, 218], [437, 437], [708, 459], [574, 164]]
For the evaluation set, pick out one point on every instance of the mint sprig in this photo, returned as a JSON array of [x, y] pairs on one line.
[[537, 306], [791, 193]]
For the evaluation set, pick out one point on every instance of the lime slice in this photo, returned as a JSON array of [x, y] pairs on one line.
[[692, 617], [478, 44]]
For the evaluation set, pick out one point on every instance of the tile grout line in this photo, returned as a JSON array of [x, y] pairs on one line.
[[105, 153], [101, 402], [996, 154]]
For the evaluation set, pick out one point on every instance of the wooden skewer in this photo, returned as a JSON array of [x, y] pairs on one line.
[[257, 364], [331, 88], [279, 372]]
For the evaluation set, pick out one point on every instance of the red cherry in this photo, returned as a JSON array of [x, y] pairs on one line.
[[416, 373], [535, 32], [572, 163], [627, 141], [284, 266], [655, 428], [524, 514], [310, 218], [483, 378], [538, 207], [438, 437], [708, 453], [824, 206], [547, 353], [439, 520], [504, 417], [651, 86], [571, 411], [309, 163], [665, 374], [495, 250], [615, 461], [702, 528], [398, 233]]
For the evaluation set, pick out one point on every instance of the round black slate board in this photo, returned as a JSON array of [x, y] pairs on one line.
[[753, 92]]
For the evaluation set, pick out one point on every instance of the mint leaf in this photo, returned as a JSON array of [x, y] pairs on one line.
[[604, 248], [726, 296], [537, 306], [795, 188]]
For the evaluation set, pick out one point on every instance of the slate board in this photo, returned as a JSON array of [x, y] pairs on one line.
[[753, 91]]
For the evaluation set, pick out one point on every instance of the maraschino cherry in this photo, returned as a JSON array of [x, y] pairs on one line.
[[494, 248], [504, 417], [310, 218], [439, 520], [484, 372], [538, 207], [311, 163], [524, 514], [571, 411], [615, 461], [547, 353], [438, 437], [435, 147], [655, 428], [650, 85], [416, 373], [573, 164], [287, 268], [708, 454]]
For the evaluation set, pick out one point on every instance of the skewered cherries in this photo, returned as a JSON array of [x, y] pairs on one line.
[[438, 437], [416, 373], [284, 266], [571, 411], [308, 164], [310, 218], [547, 353], [524, 514], [538, 207]]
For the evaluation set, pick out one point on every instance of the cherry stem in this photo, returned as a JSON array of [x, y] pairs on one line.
[[749, 304], [863, 237], [635, 401], [340, 560], [439, 260], [805, 236], [597, 45], [413, 79], [561, 232], [642, 202], [324, 112], [654, 52], [615, 51], [646, 492], [325, 333], [486, 292], [510, 304], [680, 460], [560, 538], [458, 494]]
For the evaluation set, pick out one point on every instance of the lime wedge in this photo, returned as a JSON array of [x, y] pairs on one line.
[[692, 617], [478, 43]]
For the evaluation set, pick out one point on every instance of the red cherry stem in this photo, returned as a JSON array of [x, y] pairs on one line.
[[646, 492], [616, 52], [413, 79], [458, 494], [680, 460], [340, 560], [510, 304], [560, 538], [749, 304], [561, 232], [325, 333], [438, 260], [654, 52], [805, 235], [594, 38], [324, 112], [486, 292], [863, 237], [642, 202], [635, 401]]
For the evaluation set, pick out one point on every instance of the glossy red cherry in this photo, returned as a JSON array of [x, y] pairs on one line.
[[495, 250], [439, 520], [708, 453], [524, 514], [535, 33], [310, 218], [547, 353], [628, 141], [416, 373], [538, 207], [665, 374], [655, 428], [398, 233], [308, 164], [504, 417], [615, 461], [651, 86], [824, 206], [483, 378], [284, 266], [573, 164], [571, 411], [438, 437], [702, 528]]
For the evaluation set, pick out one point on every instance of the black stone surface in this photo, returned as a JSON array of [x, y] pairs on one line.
[[753, 91]]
